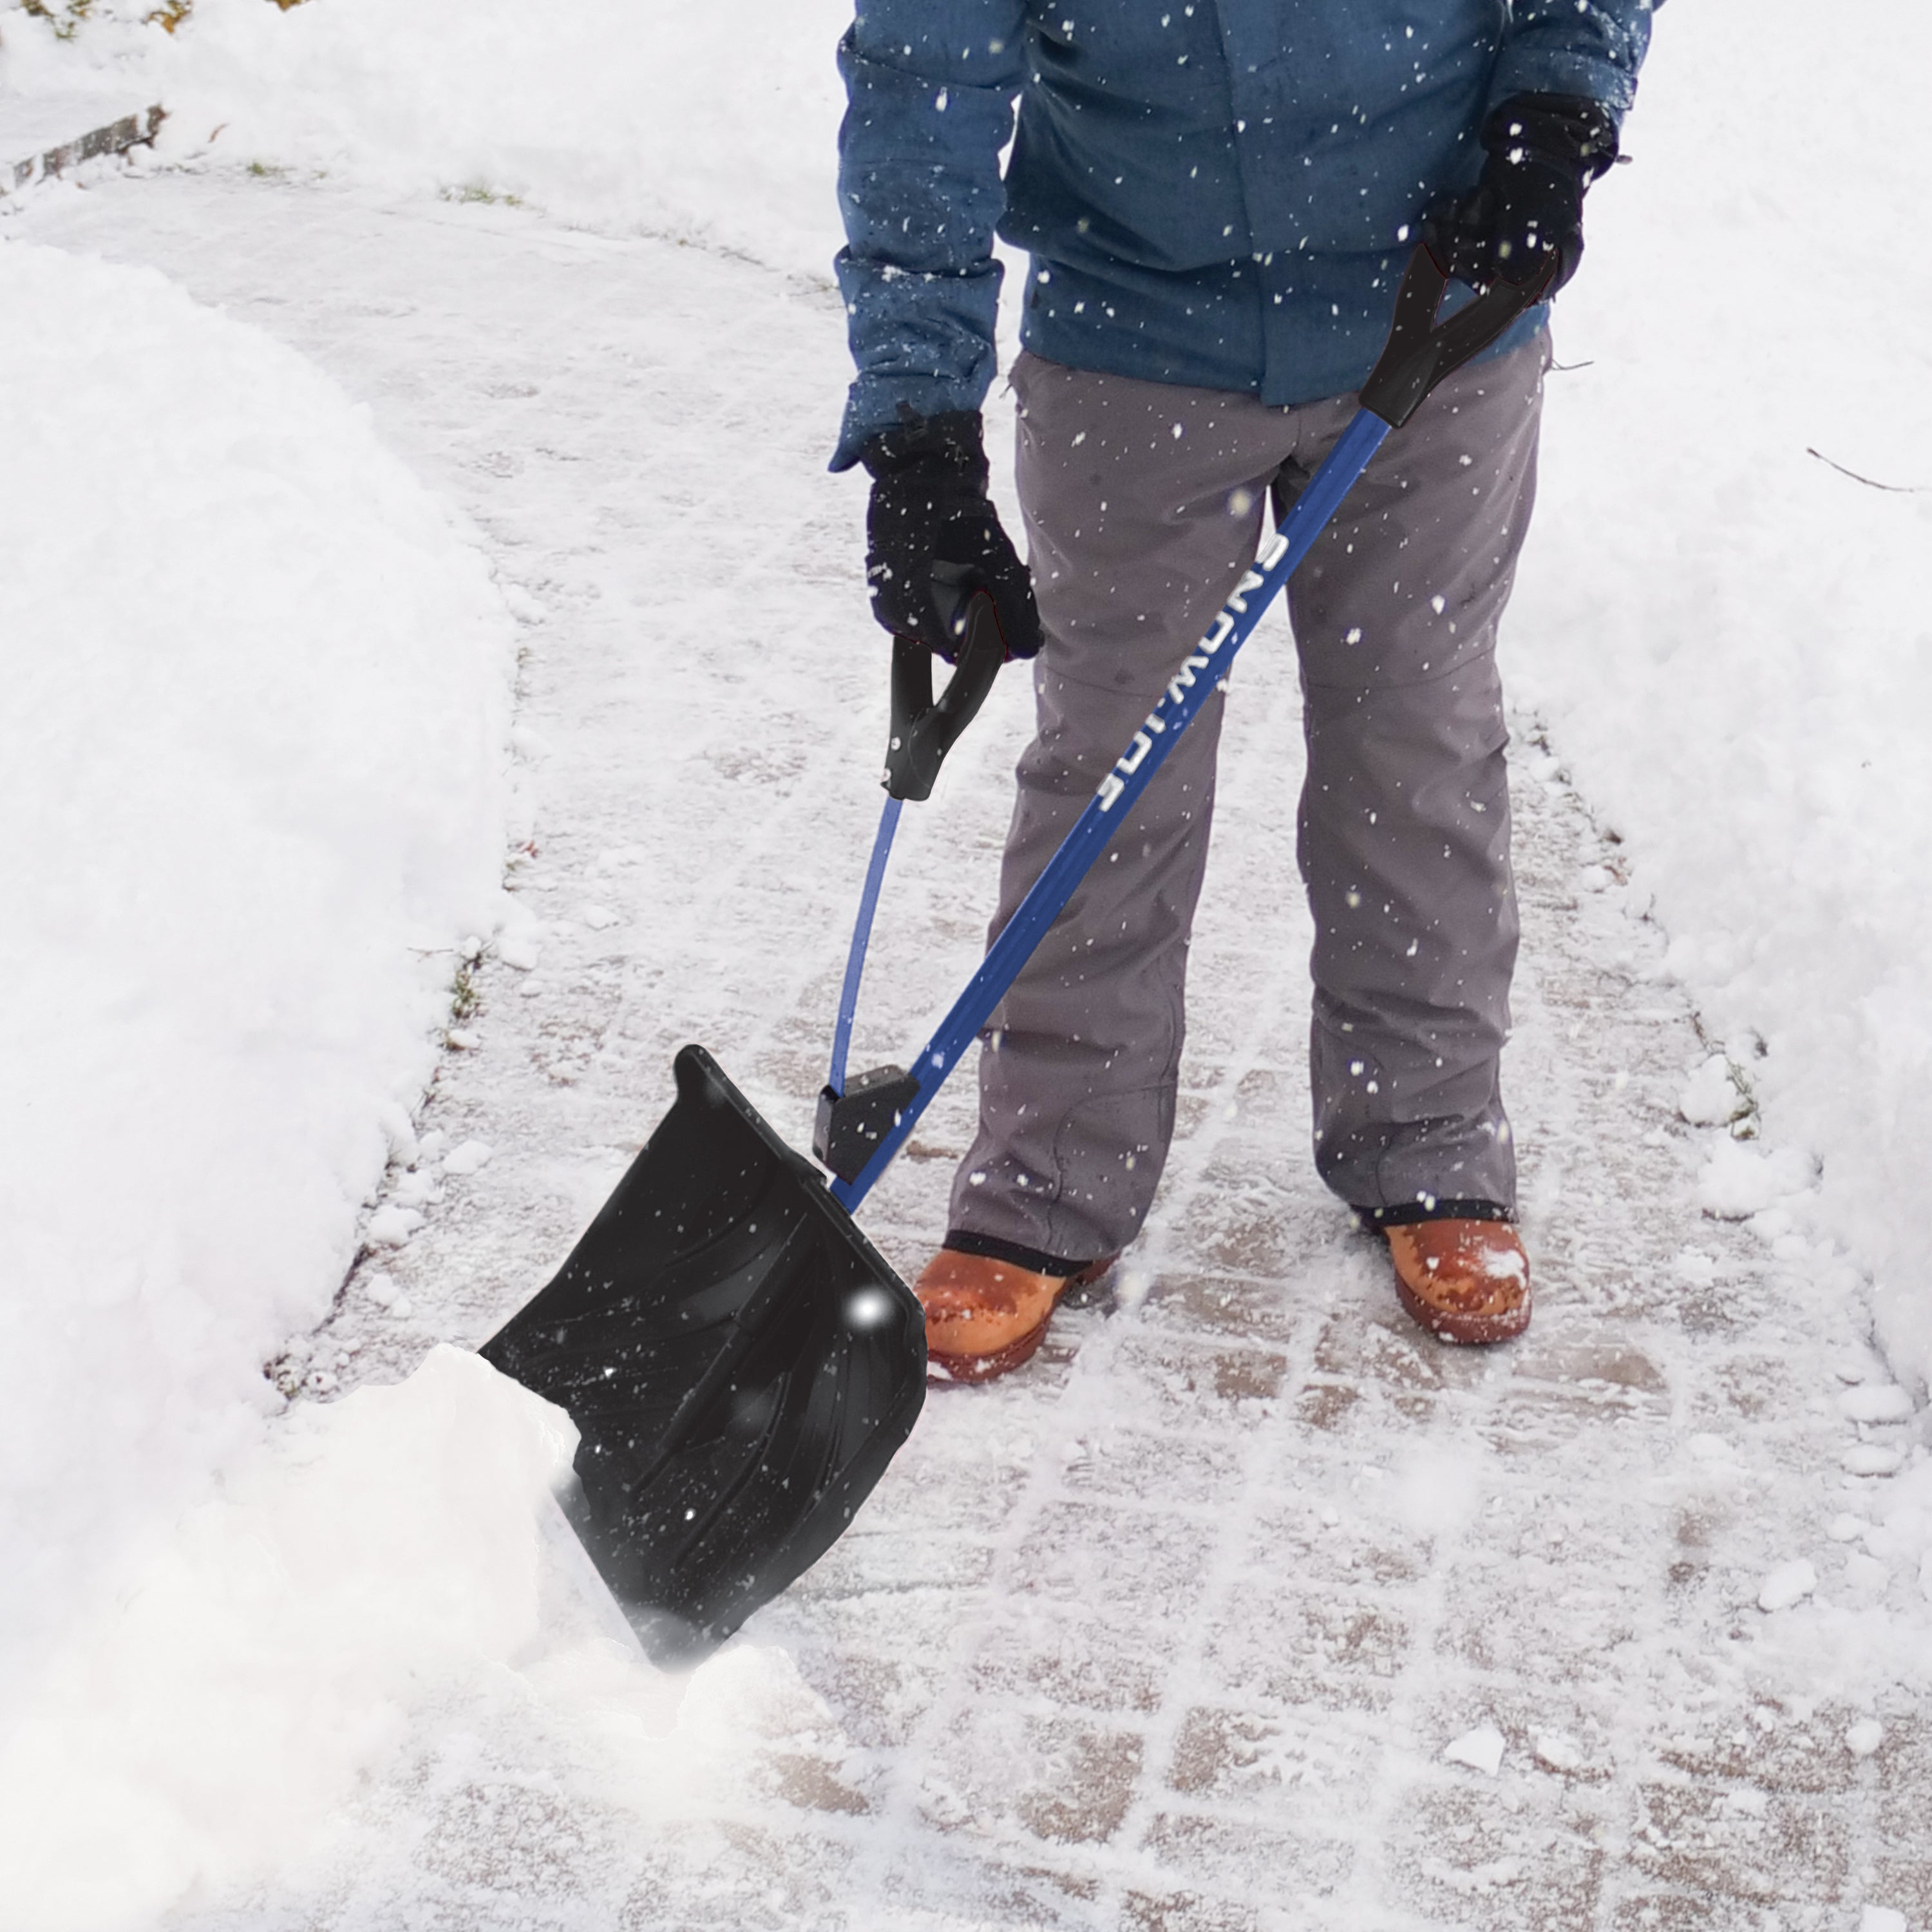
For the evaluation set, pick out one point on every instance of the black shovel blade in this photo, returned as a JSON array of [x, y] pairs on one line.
[[741, 1364]]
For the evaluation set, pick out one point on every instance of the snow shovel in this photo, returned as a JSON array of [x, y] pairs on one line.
[[740, 1361]]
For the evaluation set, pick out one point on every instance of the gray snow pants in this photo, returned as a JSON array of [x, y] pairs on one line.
[[1143, 503]]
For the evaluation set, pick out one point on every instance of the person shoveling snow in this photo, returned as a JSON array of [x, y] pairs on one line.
[[1217, 206], [742, 1362]]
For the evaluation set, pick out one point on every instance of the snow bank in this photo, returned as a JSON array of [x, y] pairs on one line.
[[1733, 639], [713, 121], [255, 691]]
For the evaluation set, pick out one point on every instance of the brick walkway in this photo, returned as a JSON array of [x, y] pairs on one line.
[[1246, 1605]]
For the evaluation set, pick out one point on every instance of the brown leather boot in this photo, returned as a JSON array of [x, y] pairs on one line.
[[1464, 1281], [984, 1317]]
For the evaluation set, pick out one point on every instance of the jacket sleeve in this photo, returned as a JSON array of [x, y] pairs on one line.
[[929, 87], [1590, 47]]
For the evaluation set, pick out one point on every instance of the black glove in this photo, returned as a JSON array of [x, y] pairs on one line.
[[932, 536], [1544, 150]]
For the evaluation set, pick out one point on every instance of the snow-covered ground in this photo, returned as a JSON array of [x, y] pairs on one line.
[[1732, 635], [1223, 1616], [712, 123]]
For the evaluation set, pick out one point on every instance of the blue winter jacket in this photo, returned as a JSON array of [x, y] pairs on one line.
[[1215, 192]]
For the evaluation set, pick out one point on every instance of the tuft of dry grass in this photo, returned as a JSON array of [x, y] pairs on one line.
[[66, 16]]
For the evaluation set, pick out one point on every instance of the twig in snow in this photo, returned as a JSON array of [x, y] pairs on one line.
[[1896, 489]]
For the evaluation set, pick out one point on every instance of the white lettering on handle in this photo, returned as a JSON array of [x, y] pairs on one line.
[[1114, 784], [1182, 680], [1239, 602]]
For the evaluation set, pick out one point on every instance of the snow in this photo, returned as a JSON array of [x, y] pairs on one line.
[[1790, 1583], [204, 1722], [1712, 1096], [1740, 1179], [1728, 637], [1480, 1749], [470, 1158], [521, 951], [1886, 1402], [587, 109], [33, 125], [397, 1549], [256, 686], [390, 1225], [1865, 1737]]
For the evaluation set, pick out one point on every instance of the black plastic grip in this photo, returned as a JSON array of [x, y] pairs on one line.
[[924, 729], [1419, 354]]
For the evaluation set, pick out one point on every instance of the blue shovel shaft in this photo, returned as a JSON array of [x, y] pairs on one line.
[[862, 934], [1187, 690]]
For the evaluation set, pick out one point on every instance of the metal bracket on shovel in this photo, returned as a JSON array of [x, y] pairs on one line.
[[851, 1125], [741, 1363]]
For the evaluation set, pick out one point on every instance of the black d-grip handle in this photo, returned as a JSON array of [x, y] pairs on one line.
[[924, 731], [1419, 354]]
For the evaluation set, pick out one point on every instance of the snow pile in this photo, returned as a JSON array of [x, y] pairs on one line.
[[270, 1653], [393, 1552], [1896, 1538], [714, 122], [1731, 638], [251, 770]]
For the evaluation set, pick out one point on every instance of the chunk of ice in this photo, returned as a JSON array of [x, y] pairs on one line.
[[1711, 1097], [1876, 1401], [467, 1158], [391, 1227], [1481, 1750], [1788, 1584]]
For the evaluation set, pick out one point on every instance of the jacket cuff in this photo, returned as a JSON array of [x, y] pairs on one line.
[[1531, 70], [872, 404], [925, 342]]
